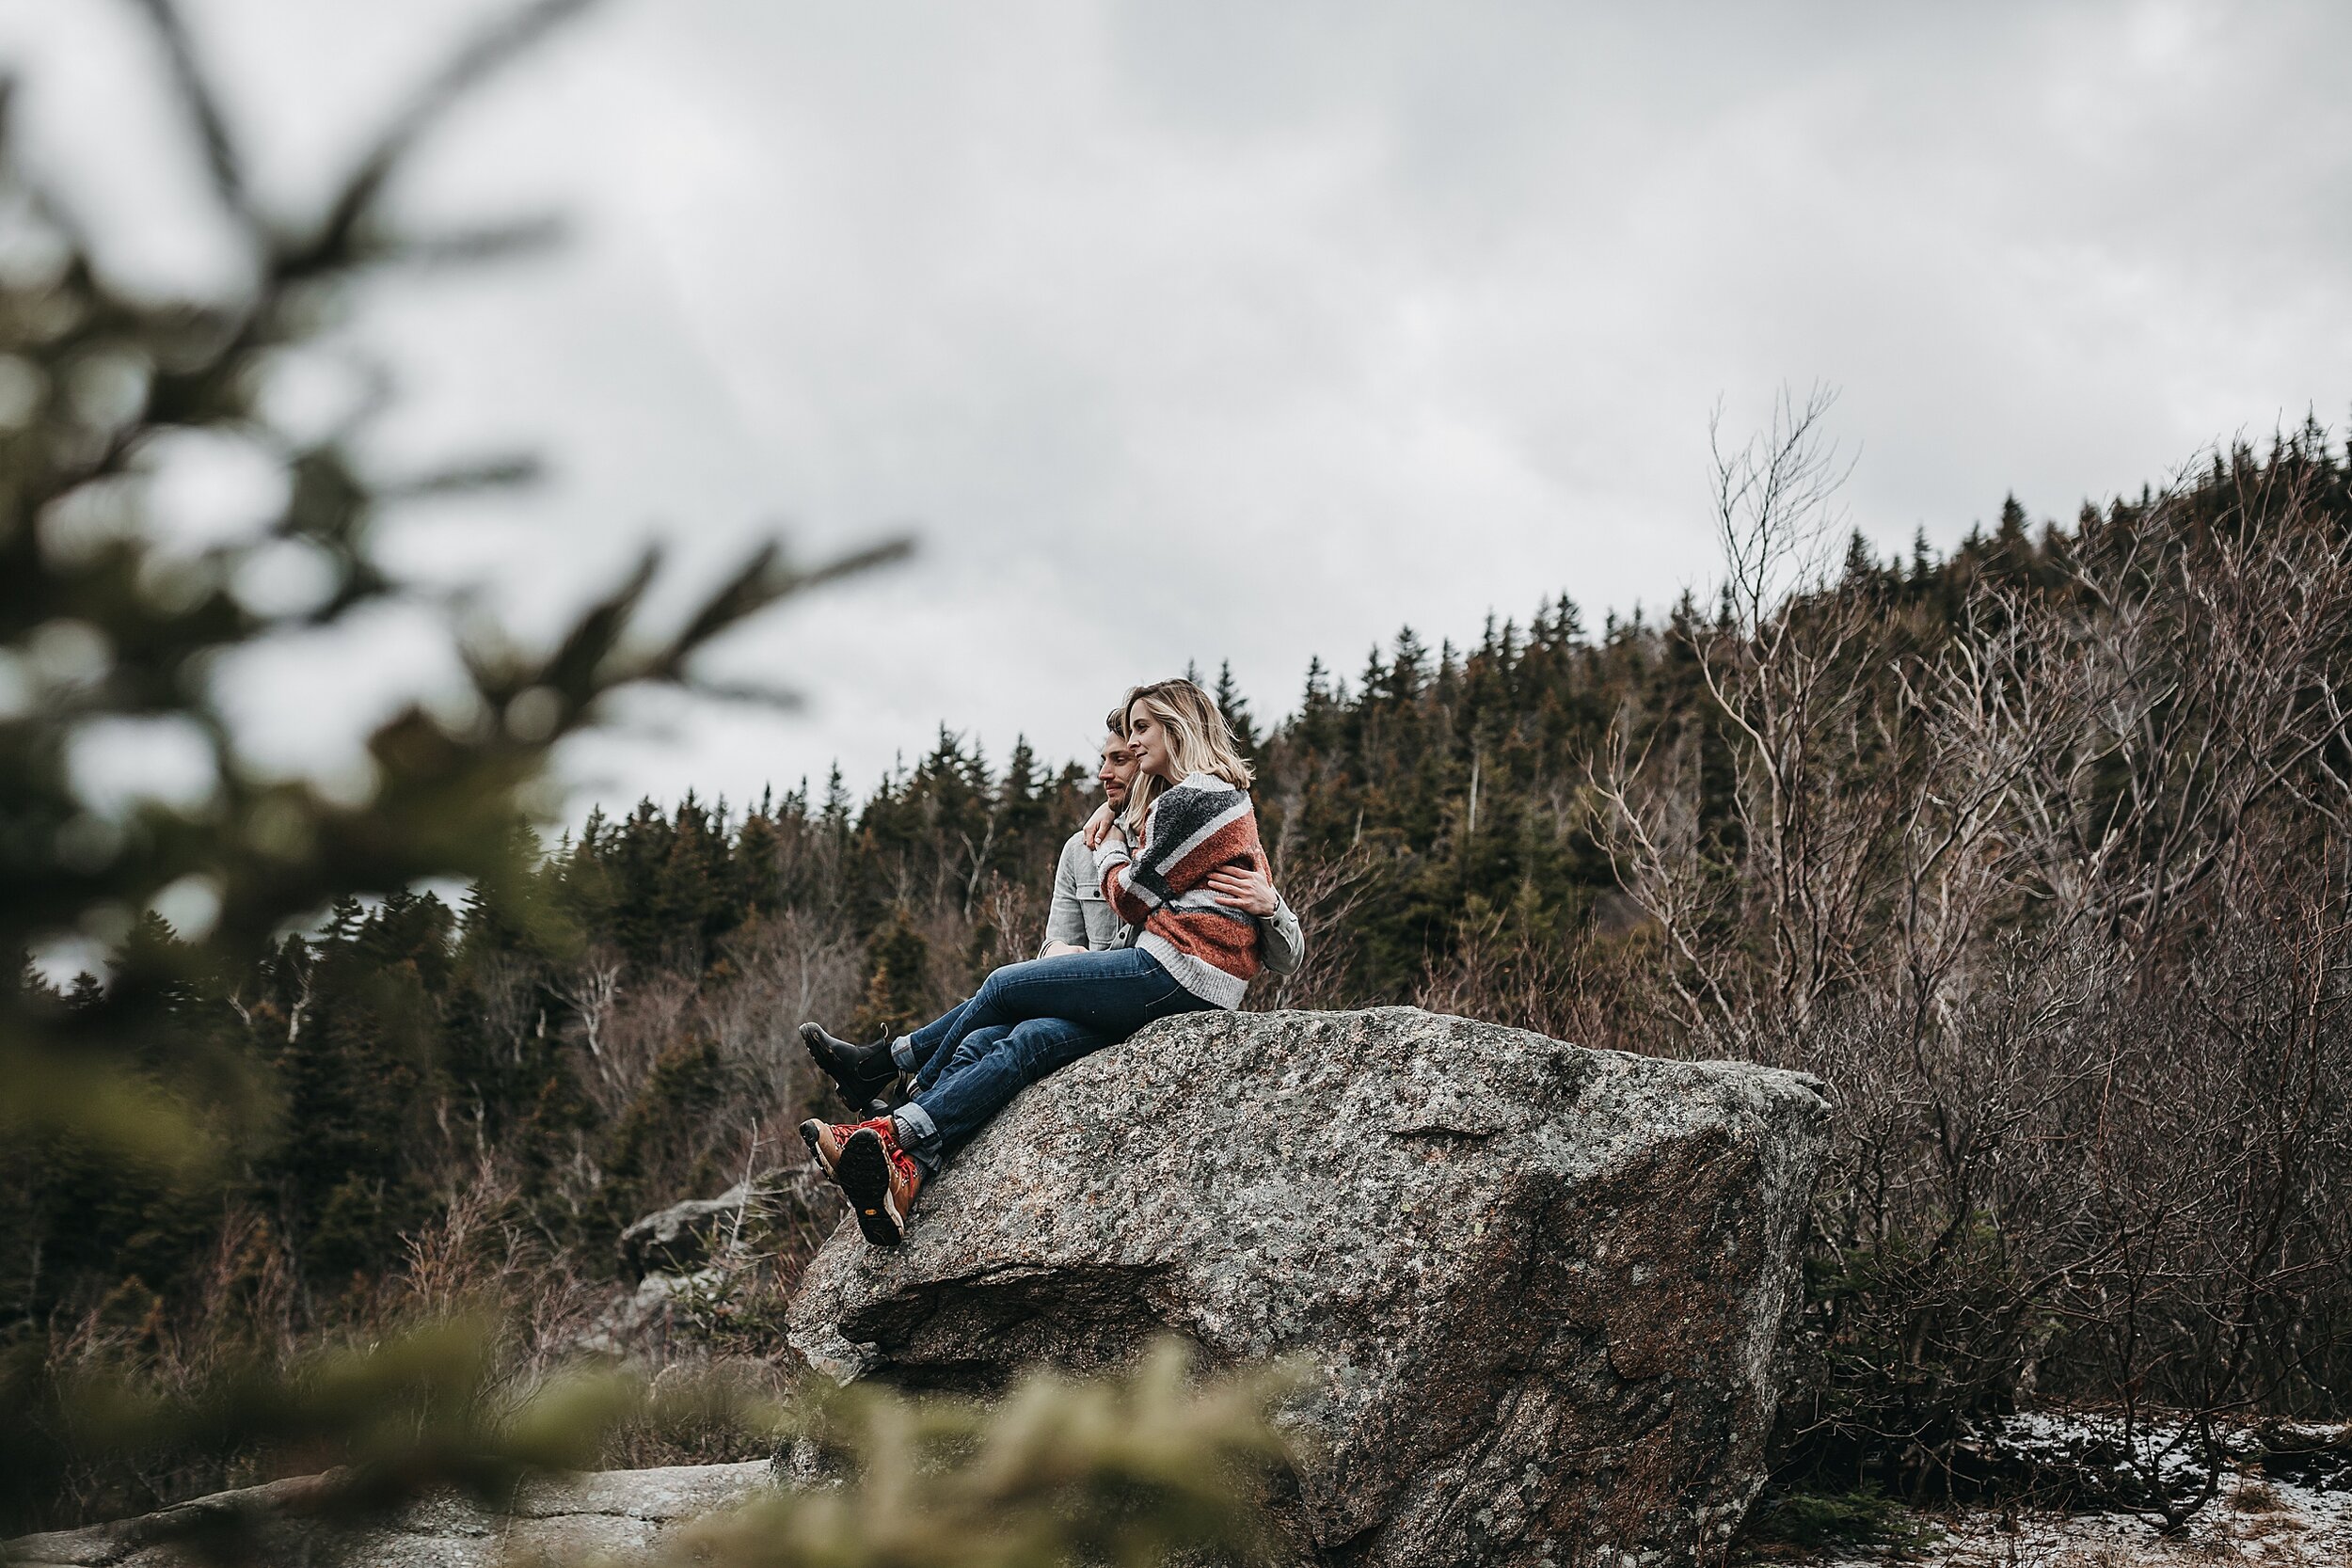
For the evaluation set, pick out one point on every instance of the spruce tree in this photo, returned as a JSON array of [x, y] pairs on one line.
[[897, 982], [1235, 708]]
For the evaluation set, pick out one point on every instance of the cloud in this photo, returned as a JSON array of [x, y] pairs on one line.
[[1223, 332]]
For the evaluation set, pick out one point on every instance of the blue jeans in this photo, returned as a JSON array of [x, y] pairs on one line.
[[1024, 1022], [977, 1044], [918, 1051]]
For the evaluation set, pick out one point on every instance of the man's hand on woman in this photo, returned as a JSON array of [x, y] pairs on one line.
[[1250, 891]]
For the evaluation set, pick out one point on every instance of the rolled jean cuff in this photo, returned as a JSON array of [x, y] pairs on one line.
[[902, 1054], [918, 1134]]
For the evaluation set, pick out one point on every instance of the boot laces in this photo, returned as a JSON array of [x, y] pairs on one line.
[[900, 1161]]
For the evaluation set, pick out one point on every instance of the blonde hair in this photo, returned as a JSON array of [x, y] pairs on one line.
[[1198, 741]]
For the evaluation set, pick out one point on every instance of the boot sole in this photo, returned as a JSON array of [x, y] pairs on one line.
[[849, 1089], [813, 1134], [864, 1175]]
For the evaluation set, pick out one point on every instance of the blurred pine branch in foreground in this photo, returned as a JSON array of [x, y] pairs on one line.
[[112, 630]]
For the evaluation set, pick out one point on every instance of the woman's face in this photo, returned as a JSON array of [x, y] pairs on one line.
[[1146, 742]]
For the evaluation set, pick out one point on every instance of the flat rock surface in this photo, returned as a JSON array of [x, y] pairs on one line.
[[1539, 1291], [617, 1514]]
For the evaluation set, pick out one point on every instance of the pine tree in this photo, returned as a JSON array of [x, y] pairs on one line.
[[1235, 708], [757, 856], [898, 985], [1315, 727], [1409, 672], [1861, 566], [1024, 815], [835, 814], [360, 1078]]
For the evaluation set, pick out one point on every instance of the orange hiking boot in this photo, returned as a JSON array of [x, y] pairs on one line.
[[880, 1180], [825, 1138]]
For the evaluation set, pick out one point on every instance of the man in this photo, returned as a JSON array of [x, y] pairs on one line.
[[1078, 920]]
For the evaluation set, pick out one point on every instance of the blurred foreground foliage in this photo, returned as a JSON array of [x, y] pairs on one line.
[[136, 1110], [410, 1411], [1146, 1468], [2034, 851], [1153, 1465]]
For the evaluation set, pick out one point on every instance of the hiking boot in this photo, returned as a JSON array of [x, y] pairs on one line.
[[825, 1138], [880, 1180], [864, 1074]]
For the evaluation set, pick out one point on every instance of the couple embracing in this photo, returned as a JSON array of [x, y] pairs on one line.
[[1166, 887]]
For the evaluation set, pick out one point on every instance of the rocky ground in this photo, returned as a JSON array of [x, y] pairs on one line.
[[2289, 1526], [2285, 1499], [620, 1515], [611, 1515]]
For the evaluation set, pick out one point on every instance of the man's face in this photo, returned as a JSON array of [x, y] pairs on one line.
[[1118, 771]]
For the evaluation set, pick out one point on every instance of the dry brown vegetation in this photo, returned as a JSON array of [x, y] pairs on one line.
[[2056, 903]]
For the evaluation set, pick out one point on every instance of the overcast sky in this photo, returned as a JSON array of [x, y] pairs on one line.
[[1206, 331]]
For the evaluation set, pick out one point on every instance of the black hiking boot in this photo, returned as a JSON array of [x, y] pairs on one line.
[[864, 1074]]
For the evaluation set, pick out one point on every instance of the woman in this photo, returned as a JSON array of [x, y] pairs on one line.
[[1190, 818]]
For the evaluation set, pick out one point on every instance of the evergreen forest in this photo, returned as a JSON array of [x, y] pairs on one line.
[[1969, 834]]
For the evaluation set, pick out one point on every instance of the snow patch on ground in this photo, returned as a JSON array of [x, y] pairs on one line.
[[2253, 1518]]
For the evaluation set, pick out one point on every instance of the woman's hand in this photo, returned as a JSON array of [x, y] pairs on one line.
[[1055, 949], [1249, 890], [1101, 825]]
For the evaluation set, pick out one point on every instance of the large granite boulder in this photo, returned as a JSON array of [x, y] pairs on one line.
[[1538, 1291]]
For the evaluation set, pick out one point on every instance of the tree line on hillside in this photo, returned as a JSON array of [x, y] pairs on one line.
[[2034, 851]]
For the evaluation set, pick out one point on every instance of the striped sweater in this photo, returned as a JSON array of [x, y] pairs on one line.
[[1195, 826]]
